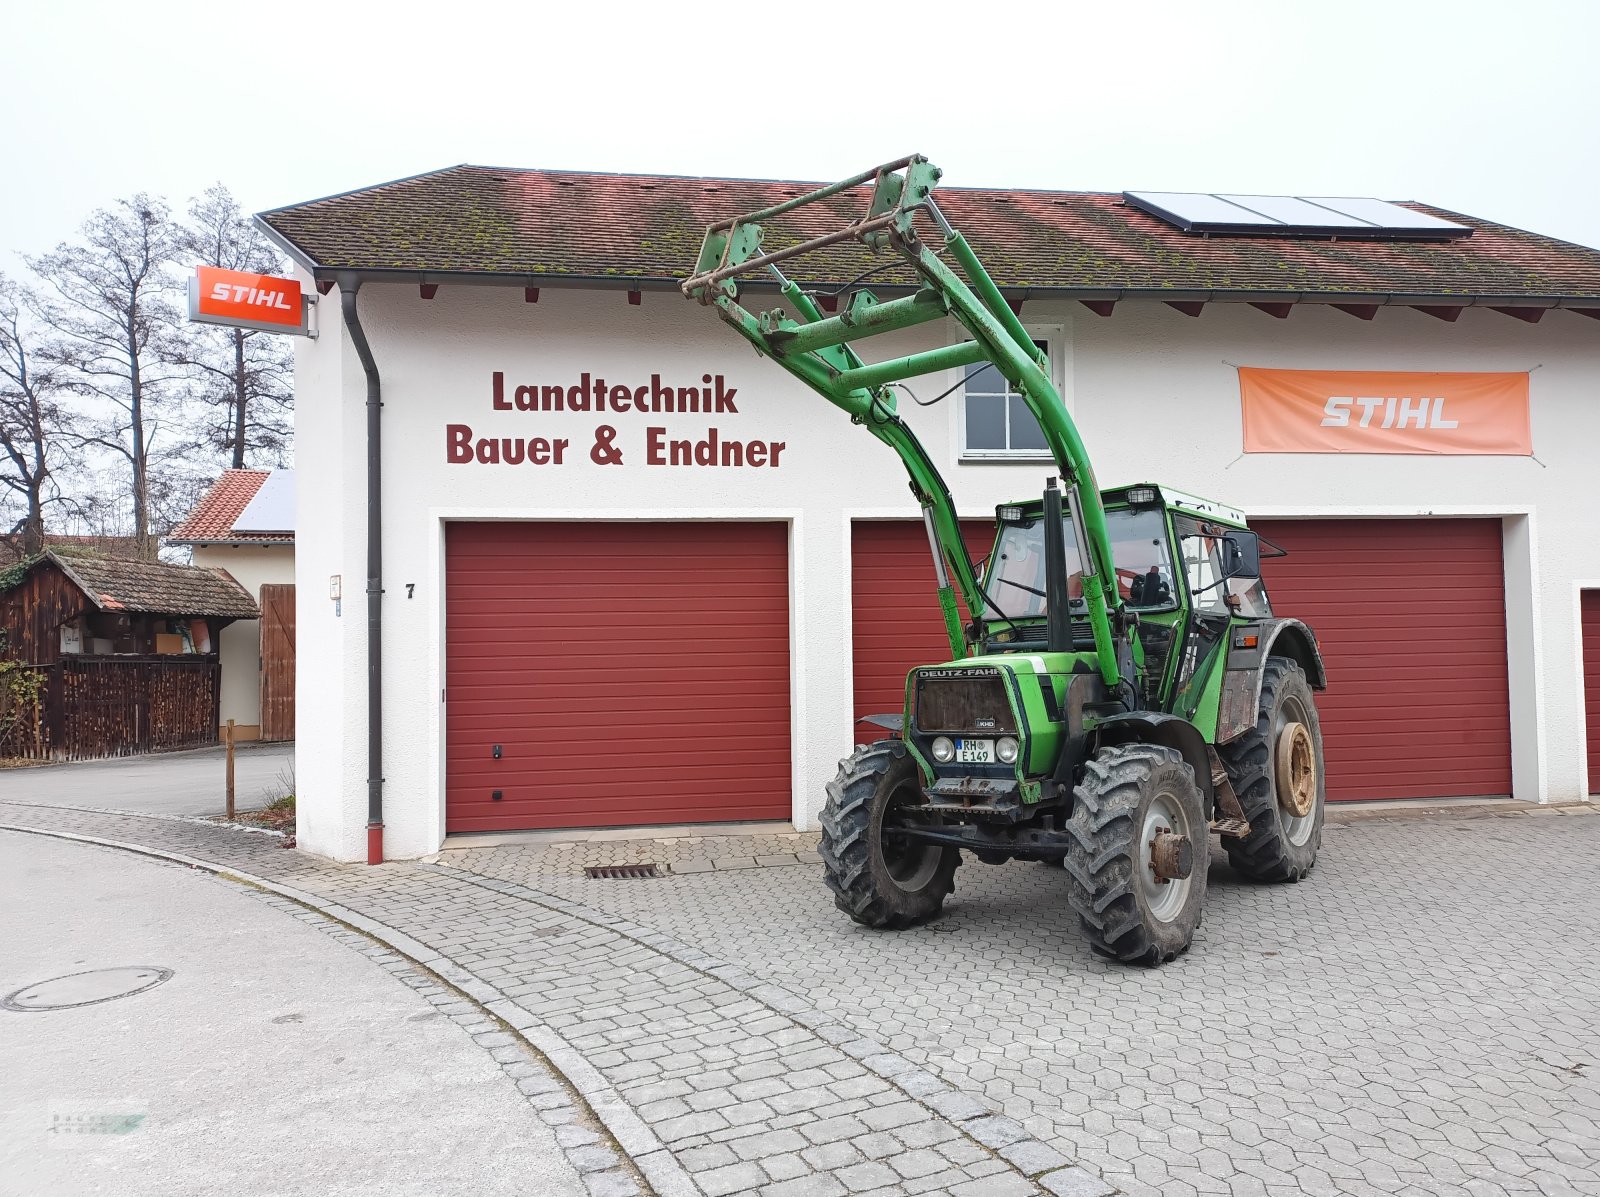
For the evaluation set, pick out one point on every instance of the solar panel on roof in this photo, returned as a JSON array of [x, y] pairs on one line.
[[1195, 210], [1297, 212], [272, 509], [1292, 216], [1392, 216]]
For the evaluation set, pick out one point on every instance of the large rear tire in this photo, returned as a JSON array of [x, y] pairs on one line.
[[1276, 770], [881, 881], [1131, 795]]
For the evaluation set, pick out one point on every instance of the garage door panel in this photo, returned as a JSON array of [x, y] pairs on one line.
[[630, 673], [1589, 629], [896, 621], [1410, 617]]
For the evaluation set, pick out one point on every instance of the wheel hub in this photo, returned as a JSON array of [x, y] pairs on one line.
[[1171, 856], [1296, 770]]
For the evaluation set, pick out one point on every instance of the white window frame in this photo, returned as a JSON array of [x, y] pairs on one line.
[[1056, 343]]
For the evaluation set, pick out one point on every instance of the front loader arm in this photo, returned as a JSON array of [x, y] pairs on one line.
[[875, 409], [818, 350]]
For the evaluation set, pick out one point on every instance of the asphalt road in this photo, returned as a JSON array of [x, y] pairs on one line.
[[276, 1060], [167, 783]]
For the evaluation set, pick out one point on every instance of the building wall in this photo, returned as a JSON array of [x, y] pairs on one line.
[[1154, 392], [252, 566]]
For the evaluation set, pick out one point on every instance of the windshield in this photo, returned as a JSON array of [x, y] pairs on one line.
[[1138, 546]]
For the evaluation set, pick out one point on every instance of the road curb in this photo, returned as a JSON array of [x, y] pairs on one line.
[[644, 1150]]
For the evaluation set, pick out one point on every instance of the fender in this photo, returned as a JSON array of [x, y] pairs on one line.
[[1241, 684], [1170, 731]]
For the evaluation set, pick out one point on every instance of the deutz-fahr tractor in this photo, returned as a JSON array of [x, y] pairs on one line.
[[1120, 688]]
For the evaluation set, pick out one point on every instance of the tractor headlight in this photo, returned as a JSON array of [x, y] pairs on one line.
[[944, 749], [1006, 749]]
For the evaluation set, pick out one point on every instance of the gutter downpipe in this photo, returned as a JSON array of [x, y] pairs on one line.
[[358, 336]]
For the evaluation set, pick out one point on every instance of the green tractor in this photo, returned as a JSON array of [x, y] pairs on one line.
[[1120, 688]]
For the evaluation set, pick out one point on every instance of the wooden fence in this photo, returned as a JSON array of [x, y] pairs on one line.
[[120, 706]]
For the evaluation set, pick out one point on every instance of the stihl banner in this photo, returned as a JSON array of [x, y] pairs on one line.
[[1376, 411], [233, 297]]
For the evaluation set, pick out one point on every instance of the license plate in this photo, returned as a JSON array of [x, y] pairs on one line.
[[975, 752]]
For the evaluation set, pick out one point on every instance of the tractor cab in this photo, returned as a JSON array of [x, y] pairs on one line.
[[1173, 554]]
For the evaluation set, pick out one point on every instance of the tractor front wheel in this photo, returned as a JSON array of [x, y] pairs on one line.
[[879, 878], [1137, 853]]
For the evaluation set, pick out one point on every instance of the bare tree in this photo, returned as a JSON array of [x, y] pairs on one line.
[[242, 376], [32, 418], [112, 311]]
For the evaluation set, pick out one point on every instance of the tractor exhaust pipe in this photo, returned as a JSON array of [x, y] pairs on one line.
[[1058, 626]]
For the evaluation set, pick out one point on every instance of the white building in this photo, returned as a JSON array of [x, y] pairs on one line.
[[244, 525], [597, 610]]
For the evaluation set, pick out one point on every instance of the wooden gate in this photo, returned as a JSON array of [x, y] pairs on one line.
[[277, 662]]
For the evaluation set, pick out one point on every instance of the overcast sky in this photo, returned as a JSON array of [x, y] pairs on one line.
[[1483, 106]]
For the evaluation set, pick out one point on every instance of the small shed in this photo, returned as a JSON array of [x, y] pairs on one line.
[[127, 653]]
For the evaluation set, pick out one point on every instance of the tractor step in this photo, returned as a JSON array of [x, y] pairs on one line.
[[1232, 822]]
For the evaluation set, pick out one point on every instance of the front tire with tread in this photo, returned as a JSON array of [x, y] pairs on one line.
[[876, 889], [1109, 813]]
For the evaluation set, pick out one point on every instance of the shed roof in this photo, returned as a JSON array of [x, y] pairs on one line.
[[156, 588], [496, 224], [212, 520]]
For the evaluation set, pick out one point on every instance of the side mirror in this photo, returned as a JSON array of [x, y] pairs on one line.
[[1243, 555]]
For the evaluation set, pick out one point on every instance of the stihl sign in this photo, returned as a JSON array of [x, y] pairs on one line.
[[1371, 411], [233, 297]]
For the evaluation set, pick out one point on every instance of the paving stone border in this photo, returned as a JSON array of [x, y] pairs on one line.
[[1003, 1136], [930, 1138]]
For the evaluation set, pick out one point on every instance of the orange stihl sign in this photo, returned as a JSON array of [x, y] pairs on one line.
[[1384, 411], [234, 297]]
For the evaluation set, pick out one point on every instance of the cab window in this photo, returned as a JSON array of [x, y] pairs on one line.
[[1139, 547]]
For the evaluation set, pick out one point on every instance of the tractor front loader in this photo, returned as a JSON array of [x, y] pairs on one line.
[[1122, 687]]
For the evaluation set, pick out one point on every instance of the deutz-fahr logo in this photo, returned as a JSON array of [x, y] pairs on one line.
[[966, 671]]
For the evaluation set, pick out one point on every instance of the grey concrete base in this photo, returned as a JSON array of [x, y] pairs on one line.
[[598, 835]]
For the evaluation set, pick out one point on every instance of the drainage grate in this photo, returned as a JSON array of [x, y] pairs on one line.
[[621, 872]]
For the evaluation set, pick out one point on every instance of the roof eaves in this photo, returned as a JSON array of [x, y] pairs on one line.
[[236, 542], [481, 278], [284, 242]]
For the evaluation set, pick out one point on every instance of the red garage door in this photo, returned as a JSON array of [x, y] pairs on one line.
[[1591, 683], [896, 621], [1411, 618], [628, 673]]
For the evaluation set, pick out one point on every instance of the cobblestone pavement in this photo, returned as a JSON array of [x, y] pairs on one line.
[[1421, 1016], [712, 1081]]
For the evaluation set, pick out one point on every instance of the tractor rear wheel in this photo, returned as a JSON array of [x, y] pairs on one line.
[[1276, 770], [877, 878], [1137, 852]]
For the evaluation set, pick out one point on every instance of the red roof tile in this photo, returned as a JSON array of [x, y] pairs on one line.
[[213, 519], [535, 224]]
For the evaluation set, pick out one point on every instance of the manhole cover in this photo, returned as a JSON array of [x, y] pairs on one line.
[[85, 989]]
